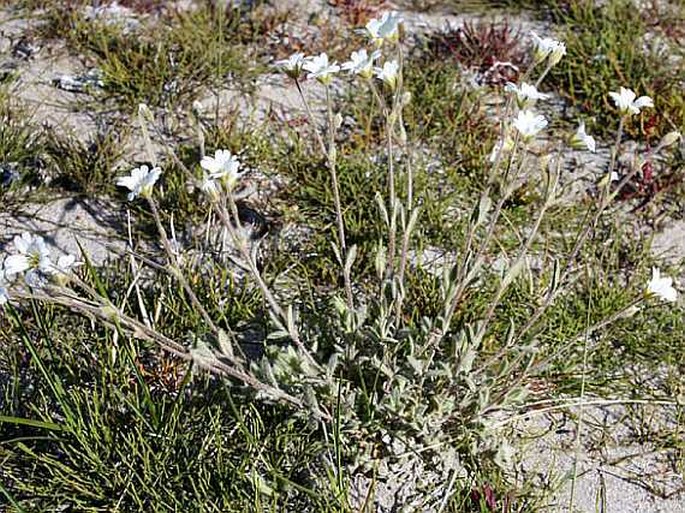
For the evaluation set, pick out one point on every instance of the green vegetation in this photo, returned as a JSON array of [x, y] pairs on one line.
[[85, 167], [95, 416], [115, 425], [608, 47], [20, 145], [167, 64]]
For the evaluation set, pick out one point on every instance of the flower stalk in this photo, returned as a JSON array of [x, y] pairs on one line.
[[330, 155]]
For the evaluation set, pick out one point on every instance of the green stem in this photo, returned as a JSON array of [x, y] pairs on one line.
[[605, 199], [463, 273], [329, 154], [332, 157], [176, 269]]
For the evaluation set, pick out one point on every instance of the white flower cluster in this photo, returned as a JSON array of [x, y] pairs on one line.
[[379, 30], [31, 257], [527, 123], [220, 171]]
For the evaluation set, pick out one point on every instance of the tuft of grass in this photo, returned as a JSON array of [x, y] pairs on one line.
[[21, 148], [94, 421], [169, 60], [311, 192], [447, 118], [86, 167]]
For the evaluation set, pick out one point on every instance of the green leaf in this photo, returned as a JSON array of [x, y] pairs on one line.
[[31, 422]]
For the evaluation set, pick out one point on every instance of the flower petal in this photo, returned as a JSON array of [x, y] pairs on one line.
[[643, 101], [15, 264]]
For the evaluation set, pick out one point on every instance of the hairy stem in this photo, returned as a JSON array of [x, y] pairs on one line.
[[175, 269], [332, 157]]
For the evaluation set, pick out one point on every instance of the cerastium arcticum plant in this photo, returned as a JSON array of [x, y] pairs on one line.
[[388, 391]]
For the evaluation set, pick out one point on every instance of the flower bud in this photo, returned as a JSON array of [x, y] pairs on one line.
[[557, 53], [669, 139], [145, 112], [402, 134], [337, 120]]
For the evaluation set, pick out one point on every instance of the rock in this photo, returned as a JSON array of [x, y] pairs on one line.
[[97, 225], [669, 243]]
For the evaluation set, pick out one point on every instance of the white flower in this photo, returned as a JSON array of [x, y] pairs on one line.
[[545, 46], [384, 29], [526, 94], [529, 124], [140, 181], [388, 73], [361, 63], [581, 140], [32, 253], [33, 257], [224, 166], [661, 287], [626, 102], [292, 66], [320, 69]]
